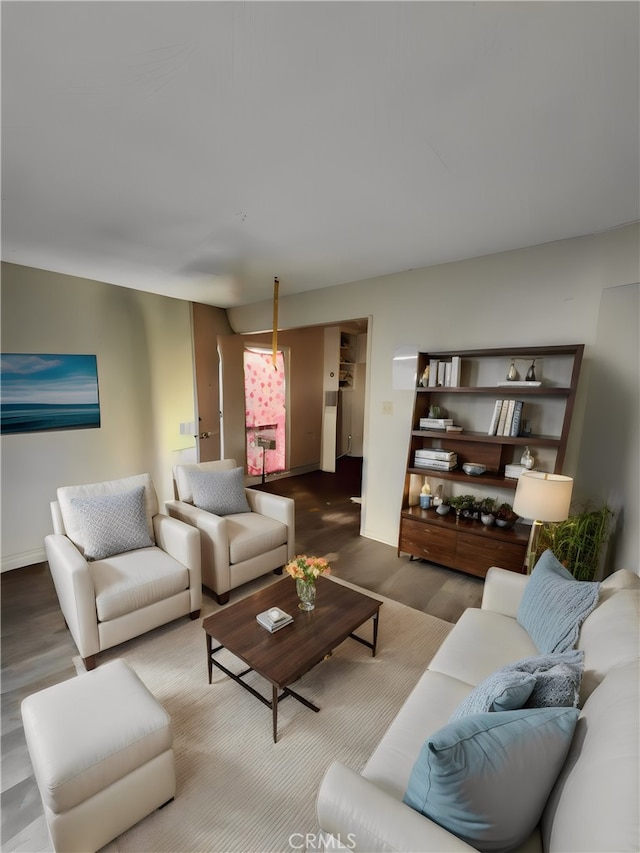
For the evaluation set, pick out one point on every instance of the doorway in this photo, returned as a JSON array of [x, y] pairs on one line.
[[265, 396], [302, 350]]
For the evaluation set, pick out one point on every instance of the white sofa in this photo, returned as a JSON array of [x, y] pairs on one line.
[[594, 805]]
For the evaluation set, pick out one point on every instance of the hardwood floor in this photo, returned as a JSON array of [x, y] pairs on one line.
[[37, 649], [328, 524]]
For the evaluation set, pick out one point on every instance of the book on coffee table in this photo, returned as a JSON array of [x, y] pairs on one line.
[[273, 619]]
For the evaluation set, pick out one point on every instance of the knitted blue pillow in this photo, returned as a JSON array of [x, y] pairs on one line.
[[544, 681], [554, 605], [503, 690], [557, 678]]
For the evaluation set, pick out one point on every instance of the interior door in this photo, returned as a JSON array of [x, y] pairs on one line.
[[207, 323]]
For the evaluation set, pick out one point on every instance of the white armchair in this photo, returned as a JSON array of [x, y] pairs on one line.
[[119, 567], [241, 541]]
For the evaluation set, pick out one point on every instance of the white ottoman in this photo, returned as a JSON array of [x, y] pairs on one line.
[[102, 753]]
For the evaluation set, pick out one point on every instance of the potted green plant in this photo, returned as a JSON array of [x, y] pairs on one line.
[[487, 511], [505, 516], [577, 542], [463, 505]]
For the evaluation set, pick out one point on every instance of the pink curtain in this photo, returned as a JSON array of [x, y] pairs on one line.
[[265, 413]]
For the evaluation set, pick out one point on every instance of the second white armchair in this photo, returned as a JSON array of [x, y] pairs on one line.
[[244, 533]]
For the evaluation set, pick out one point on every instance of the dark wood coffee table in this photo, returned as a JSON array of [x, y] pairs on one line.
[[285, 655]]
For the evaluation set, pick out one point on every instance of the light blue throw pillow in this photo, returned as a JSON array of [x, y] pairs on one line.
[[557, 678], [503, 690], [544, 681], [486, 778], [219, 492], [554, 605], [112, 524]]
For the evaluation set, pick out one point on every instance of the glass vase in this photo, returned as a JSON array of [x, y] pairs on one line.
[[527, 459], [306, 593]]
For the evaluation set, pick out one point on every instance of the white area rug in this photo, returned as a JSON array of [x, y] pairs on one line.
[[237, 791]]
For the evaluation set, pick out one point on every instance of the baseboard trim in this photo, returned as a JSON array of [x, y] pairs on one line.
[[19, 561]]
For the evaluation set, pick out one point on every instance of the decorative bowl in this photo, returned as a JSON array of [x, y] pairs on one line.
[[443, 509], [474, 469]]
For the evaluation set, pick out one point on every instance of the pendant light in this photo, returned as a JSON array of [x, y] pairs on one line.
[[276, 287]]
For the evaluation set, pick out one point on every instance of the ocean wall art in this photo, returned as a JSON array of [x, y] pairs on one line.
[[42, 392]]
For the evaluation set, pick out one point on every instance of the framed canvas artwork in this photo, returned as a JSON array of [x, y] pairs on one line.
[[42, 392]]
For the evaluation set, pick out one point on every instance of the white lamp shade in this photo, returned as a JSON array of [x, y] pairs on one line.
[[543, 497]]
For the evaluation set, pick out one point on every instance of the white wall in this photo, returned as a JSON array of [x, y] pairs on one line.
[[143, 347], [554, 293], [612, 421], [541, 295]]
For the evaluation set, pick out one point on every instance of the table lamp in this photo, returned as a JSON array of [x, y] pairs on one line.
[[541, 497]]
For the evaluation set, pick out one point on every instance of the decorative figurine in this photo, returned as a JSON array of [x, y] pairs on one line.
[[527, 459], [512, 373], [531, 373]]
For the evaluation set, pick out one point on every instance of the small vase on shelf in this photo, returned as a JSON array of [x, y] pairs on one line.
[[527, 459], [531, 373], [306, 593]]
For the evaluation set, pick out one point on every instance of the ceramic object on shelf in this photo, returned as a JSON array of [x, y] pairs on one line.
[[527, 459], [488, 519], [443, 509], [531, 373], [474, 469], [512, 374]]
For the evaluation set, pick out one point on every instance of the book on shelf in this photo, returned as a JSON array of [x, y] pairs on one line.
[[455, 371], [444, 374], [495, 417], [273, 619], [436, 464], [517, 418], [433, 372], [435, 423], [435, 453], [506, 429], [503, 417], [512, 472], [519, 383]]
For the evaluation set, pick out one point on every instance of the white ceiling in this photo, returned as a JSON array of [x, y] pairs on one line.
[[197, 149]]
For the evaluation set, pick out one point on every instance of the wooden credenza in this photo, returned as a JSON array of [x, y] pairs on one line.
[[461, 544]]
